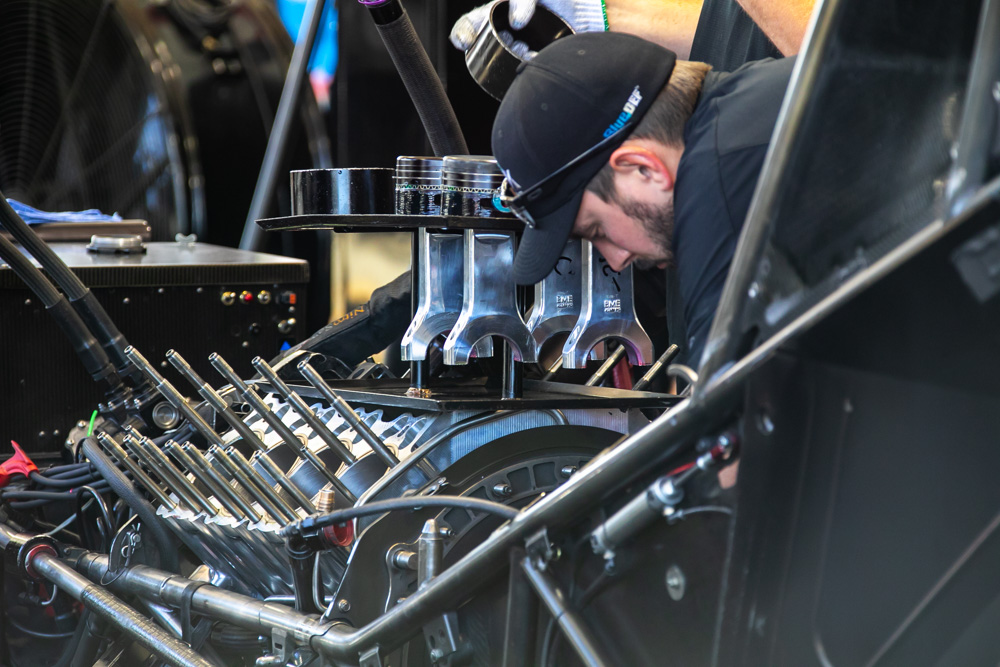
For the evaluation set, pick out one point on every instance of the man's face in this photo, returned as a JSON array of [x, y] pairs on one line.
[[635, 229]]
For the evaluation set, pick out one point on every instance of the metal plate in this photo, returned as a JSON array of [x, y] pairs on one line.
[[389, 223], [479, 395]]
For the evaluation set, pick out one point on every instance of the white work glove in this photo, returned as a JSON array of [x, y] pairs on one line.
[[581, 15]]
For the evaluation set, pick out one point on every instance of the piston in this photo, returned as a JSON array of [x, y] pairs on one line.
[[418, 185], [471, 186]]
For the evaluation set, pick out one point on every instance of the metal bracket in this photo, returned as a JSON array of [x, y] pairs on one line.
[[279, 645], [444, 643], [434, 487], [370, 658], [540, 548]]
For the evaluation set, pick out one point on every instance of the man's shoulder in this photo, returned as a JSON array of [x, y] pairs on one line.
[[744, 104]]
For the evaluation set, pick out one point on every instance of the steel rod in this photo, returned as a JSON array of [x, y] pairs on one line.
[[570, 622], [157, 461], [174, 397], [665, 358], [345, 410], [606, 367], [288, 104], [219, 404], [280, 427], [112, 610], [310, 417], [138, 474], [252, 486], [249, 487], [242, 505]]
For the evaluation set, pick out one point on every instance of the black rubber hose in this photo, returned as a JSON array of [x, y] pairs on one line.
[[396, 504], [73, 645], [84, 302], [421, 80], [91, 354], [64, 472], [75, 468], [41, 495], [66, 483], [166, 546], [90, 642]]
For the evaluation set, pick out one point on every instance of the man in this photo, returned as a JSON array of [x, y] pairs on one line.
[[608, 137]]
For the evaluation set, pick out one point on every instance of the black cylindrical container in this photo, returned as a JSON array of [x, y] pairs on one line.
[[470, 185], [342, 191], [418, 185]]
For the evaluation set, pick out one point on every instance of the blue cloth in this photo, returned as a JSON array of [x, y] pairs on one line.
[[33, 216], [725, 141]]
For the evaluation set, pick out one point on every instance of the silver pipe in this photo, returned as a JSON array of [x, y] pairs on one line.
[[174, 397], [251, 489], [216, 401], [115, 450], [111, 609], [168, 589], [281, 428], [275, 503], [570, 622], [221, 407], [553, 369], [314, 422], [277, 140], [156, 461], [608, 364], [212, 468], [189, 456], [345, 410], [664, 359]]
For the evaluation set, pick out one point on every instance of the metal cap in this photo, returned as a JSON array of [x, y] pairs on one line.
[[114, 244]]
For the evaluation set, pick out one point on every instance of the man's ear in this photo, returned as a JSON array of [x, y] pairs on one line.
[[641, 166]]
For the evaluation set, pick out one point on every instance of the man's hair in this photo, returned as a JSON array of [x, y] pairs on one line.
[[663, 122]]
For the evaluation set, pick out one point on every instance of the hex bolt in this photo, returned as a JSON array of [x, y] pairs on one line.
[[676, 583], [567, 471], [503, 490], [343, 605]]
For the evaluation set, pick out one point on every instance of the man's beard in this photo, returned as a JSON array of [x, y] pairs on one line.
[[658, 222]]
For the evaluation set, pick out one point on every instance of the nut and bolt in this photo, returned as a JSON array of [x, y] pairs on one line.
[[503, 490], [405, 560], [568, 471], [676, 583]]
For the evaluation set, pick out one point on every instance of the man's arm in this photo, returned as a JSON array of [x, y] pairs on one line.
[[672, 23], [669, 23], [784, 22]]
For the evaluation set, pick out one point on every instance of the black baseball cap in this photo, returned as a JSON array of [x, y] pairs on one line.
[[567, 110]]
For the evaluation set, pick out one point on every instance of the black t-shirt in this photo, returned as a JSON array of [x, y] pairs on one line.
[[726, 37], [725, 141]]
